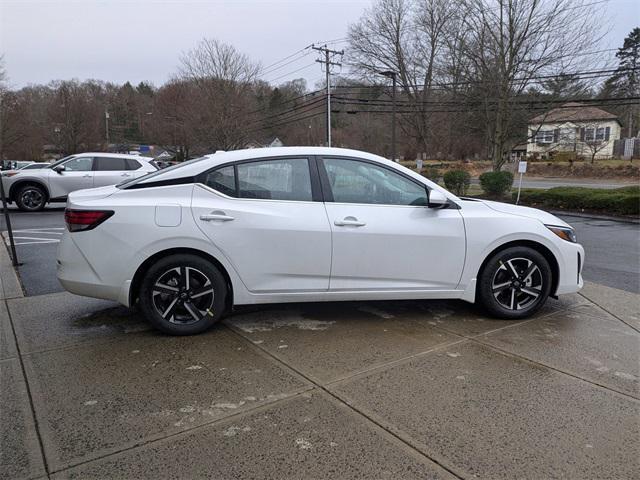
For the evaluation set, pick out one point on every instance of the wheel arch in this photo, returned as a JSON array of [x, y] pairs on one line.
[[15, 188], [134, 290], [540, 248]]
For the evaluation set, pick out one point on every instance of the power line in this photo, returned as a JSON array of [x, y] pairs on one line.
[[292, 72]]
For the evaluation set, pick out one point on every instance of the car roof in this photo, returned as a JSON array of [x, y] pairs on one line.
[[196, 166], [114, 155]]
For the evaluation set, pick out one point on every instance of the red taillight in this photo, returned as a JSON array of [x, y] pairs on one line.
[[81, 220]]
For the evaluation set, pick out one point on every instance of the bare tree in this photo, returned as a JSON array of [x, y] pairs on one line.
[[511, 42], [223, 80]]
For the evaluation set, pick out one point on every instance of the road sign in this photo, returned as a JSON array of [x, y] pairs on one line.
[[522, 167]]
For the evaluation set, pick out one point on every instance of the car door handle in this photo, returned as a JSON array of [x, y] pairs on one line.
[[87, 176], [219, 216], [125, 175], [349, 222]]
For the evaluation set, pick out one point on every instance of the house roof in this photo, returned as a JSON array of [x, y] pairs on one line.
[[573, 112]]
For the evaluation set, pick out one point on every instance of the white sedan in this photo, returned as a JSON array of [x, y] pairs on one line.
[[306, 224]]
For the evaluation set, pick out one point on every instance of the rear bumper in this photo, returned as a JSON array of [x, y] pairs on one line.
[[77, 275]]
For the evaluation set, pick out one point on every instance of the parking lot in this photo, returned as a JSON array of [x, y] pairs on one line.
[[407, 389]]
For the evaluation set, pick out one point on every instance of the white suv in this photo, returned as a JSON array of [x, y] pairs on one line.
[[33, 189]]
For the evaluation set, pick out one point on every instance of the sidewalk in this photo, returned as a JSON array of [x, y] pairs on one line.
[[424, 389]]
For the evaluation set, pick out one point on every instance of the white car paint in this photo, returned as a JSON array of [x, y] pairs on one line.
[[58, 185], [286, 251]]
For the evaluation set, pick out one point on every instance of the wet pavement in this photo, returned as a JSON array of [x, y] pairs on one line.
[[411, 389]]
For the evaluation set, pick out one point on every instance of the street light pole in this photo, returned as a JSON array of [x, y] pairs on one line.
[[106, 126], [393, 75]]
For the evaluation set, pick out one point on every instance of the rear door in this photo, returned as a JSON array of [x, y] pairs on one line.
[[77, 174], [267, 217], [110, 171], [384, 235]]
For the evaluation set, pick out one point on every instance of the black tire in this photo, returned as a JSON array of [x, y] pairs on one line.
[[31, 198], [511, 287], [177, 307]]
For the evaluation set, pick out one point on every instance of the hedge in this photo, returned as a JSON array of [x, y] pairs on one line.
[[621, 201], [457, 181], [496, 184]]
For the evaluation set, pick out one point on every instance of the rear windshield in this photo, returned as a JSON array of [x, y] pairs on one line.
[[149, 176]]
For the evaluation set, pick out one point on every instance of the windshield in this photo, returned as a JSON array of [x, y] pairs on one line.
[[128, 183], [58, 162]]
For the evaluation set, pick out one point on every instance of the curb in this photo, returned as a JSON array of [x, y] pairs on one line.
[[613, 218], [10, 286]]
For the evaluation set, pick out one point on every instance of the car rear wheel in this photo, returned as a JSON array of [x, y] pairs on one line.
[[183, 295], [515, 283], [31, 198]]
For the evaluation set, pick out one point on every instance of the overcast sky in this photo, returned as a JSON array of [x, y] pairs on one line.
[[136, 40]]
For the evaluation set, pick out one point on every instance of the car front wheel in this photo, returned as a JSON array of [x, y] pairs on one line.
[[31, 198], [183, 295], [515, 283]]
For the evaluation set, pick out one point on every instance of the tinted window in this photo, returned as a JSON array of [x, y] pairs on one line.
[[352, 181], [281, 179], [222, 180], [132, 164], [79, 164], [108, 164]]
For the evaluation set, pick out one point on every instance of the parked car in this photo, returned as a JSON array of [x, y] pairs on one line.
[[29, 166], [31, 189], [299, 224], [13, 164]]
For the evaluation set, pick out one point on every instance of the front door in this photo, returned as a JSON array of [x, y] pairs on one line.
[[77, 174], [384, 235], [262, 216]]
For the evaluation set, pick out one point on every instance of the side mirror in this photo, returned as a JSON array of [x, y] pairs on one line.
[[59, 169], [437, 199]]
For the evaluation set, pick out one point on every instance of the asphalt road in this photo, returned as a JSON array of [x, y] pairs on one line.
[[532, 182], [612, 250]]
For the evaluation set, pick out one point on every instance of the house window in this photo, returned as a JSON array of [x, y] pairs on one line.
[[594, 134], [544, 136]]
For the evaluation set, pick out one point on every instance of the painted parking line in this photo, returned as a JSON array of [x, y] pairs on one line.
[[34, 236]]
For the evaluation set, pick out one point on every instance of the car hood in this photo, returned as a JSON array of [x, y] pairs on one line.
[[92, 193], [544, 217]]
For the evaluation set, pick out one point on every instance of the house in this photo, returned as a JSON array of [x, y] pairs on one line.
[[578, 129]]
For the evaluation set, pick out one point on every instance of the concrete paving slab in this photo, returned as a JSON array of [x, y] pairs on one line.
[[327, 341], [622, 304], [63, 319], [7, 343], [9, 284], [496, 416], [20, 455], [94, 399], [305, 437], [594, 346]]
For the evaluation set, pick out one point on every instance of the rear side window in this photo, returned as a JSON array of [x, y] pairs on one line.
[[278, 179], [110, 164], [132, 164]]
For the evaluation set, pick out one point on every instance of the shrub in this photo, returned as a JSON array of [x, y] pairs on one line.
[[496, 184], [457, 181], [621, 201], [432, 173]]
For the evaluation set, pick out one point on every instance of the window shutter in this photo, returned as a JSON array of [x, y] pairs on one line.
[[556, 135], [582, 134], [532, 136], [607, 134]]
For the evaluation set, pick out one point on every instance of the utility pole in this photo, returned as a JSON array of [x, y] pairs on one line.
[[327, 66], [393, 75], [106, 126]]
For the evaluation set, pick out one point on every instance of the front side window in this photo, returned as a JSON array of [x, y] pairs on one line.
[[279, 179], [353, 181], [79, 164], [108, 164]]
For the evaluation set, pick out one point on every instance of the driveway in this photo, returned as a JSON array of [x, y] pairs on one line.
[[415, 389]]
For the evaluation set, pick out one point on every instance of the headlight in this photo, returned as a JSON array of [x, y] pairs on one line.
[[565, 233]]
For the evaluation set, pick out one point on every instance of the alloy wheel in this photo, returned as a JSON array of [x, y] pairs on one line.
[[517, 284], [183, 295], [32, 198]]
